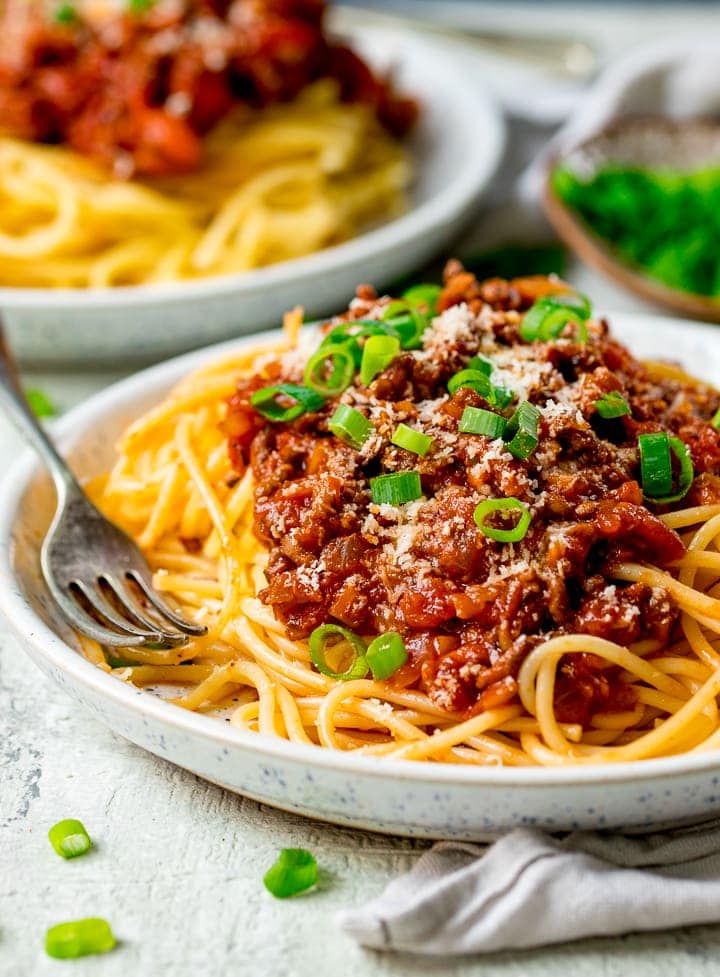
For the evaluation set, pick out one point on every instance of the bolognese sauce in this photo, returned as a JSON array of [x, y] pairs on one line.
[[138, 89], [449, 569]]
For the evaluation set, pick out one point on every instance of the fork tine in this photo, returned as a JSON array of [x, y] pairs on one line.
[[101, 606], [80, 619], [188, 627], [130, 606]]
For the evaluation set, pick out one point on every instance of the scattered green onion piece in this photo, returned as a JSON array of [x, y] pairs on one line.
[[294, 872], [78, 938], [408, 322], [612, 404], [65, 14], [40, 403], [329, 371], [571, 300], [518, 531], [411, 440], [481, 364], [386, 654], [521, 433], [655, 464], [265, 402], [686, 475], [140, 6], [478, 381], [475, 420], [348, 333], [424, 294], [548, 317], [378, 353], [358, 666], [716, 421], [350, 425], [396, 488], [69, 838], [656, 467]]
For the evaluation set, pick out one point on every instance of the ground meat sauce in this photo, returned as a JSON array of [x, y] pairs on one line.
[[138, 90], [469, 608]]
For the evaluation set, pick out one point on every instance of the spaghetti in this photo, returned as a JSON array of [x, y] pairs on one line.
[[186, 138], [615, 658]]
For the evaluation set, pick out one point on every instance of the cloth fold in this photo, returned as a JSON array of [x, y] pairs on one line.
[[529, 889]]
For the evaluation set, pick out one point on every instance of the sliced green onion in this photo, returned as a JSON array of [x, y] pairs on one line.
[[478, 381], [140, 6], [386, 654], [329, 371], [490, 506], [424, 294], [318, 645], [407, 321], [611, 405], [78, 938], [294, 872], [571, 300], [655, 464], [350, 425], [480, 363], [348, 333], [65, 14], [475, 420], [40, 403], [547, 319], [378, 353], [521, 433], [716, 420], [656, 467], [395, 489], [302, 400], [411, 440], [69, 838]]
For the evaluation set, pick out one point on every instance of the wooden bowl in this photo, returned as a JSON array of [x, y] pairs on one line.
[[648, 141]]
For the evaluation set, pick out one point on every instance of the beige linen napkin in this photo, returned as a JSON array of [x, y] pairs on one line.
[[529, 889]]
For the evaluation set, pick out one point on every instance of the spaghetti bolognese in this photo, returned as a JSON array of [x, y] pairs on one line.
[[462, 526]]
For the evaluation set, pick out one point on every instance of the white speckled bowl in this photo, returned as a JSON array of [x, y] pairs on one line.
[[457, 148], [421, 799]]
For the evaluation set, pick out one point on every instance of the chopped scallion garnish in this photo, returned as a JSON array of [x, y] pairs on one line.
[[475, 420], [655, 464], [378, 353], [412, 440], [78, 938], [612, 404], [424, 294], [490, 506], [548, 318], [65, 14], [294, 872], [386, 654], [348, 424], [716, 420], [330, 370], [285, 402], [521, 433], [480, 363], [407, 321], [40, 403], [69, 838], [342, 642], [478, 381], [656, 467], [396, 488]]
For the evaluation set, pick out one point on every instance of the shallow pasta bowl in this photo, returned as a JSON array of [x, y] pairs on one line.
[[456, 150], [411, 798]]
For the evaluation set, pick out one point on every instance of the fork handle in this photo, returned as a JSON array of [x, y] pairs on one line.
[[17, 408]]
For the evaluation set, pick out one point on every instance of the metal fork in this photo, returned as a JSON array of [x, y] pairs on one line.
[[95, 572]]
